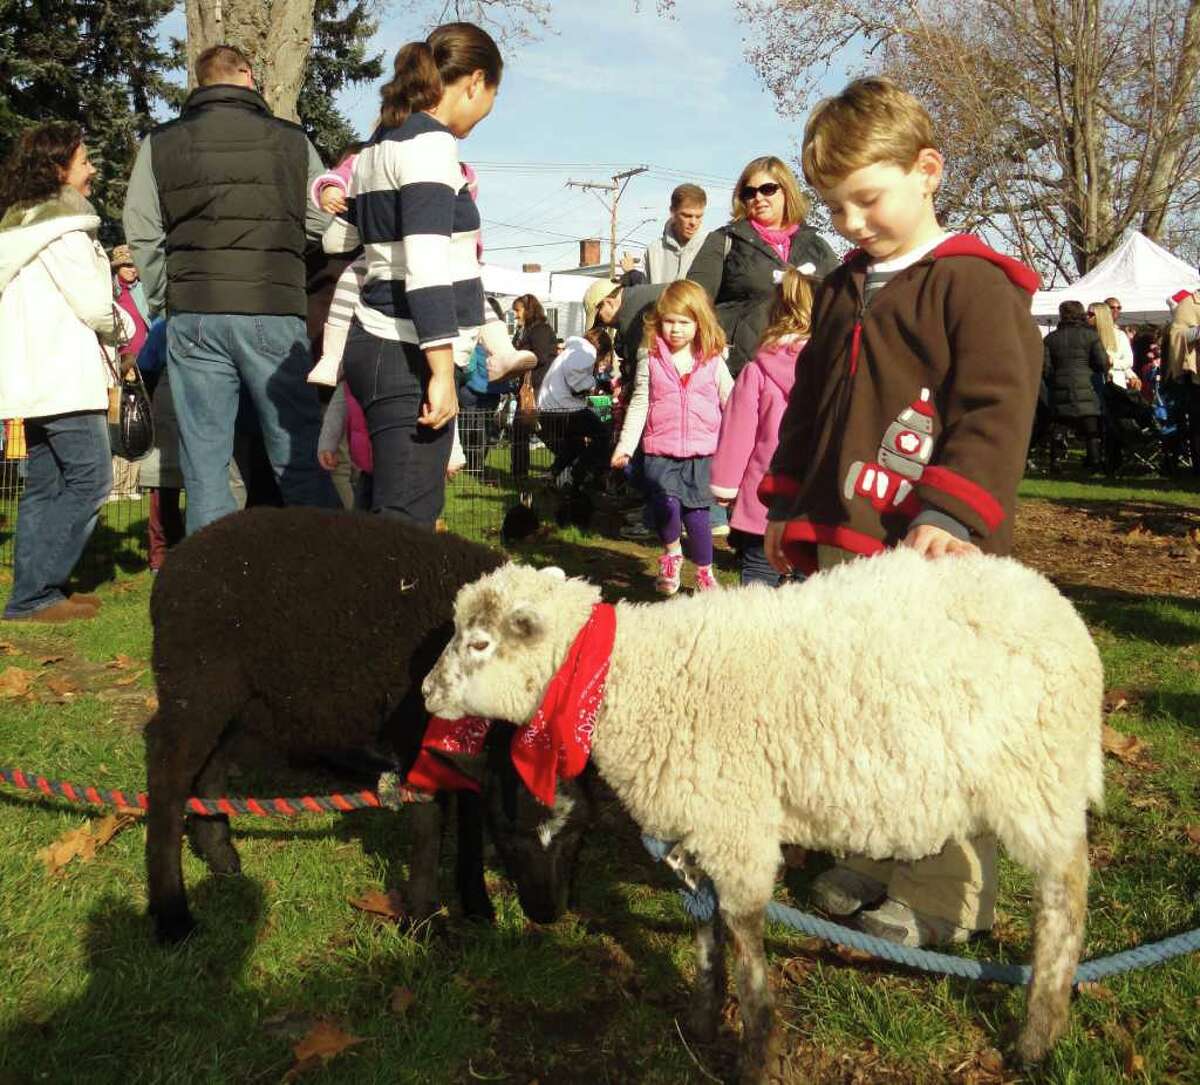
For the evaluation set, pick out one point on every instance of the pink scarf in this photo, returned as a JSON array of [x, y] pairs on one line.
[[559, 737], [778, 237]]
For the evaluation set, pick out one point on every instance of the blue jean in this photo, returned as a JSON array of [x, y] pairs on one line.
[[67, 478], [211, 359], [755, 569]]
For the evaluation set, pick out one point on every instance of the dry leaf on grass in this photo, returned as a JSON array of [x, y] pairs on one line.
[[1092, 989], [7, 648], [129, 679], [389, 905], [1117, 700], [1134, 1063], [151, 702], [1127, 749], [1193, 834], [48, 661], [322, 1042], [84, 842], [14, 682], [853, 956], [401, 1001], [62, 688], [120, 662]]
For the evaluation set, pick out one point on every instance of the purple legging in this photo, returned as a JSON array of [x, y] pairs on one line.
[[670, 518]]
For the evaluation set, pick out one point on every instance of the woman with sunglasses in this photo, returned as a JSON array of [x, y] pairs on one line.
[[741, 263]]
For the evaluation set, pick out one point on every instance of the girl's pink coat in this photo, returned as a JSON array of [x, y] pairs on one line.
[[750, 432]]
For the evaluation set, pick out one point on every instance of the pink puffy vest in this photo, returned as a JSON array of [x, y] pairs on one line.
[[685, 417], [357, 435]]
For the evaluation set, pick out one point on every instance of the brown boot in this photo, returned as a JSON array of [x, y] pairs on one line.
[[85, 600], [62, 611]]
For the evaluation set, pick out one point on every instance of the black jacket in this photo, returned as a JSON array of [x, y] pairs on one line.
[[742, 284], [232, 184], [1074, 364], [541, 340]]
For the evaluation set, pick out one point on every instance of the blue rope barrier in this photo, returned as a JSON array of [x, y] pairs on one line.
[[700, 902]]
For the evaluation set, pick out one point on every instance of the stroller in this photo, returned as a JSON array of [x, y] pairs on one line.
[[1140, 429]]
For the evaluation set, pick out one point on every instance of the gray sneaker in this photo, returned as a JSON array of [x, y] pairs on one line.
[[842, 891], [896, 922]]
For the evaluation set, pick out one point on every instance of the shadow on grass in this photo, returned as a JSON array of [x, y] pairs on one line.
[[1144, 617], [142, 1000]]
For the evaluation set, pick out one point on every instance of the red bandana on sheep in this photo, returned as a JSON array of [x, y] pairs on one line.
[[558, 739]]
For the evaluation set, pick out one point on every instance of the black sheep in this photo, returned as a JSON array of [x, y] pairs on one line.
[[310, 632]]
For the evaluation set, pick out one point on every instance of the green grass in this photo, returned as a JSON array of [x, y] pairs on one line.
[[87, 996]]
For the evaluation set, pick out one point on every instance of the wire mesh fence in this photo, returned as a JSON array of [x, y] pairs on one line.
[[510, 461]]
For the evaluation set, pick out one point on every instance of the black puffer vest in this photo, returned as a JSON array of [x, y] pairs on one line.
[[748, 280], [232, 183]]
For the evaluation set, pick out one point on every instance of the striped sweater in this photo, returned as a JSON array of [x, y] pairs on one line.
[[410, 208]]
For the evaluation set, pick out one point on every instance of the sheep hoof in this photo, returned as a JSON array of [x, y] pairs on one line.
[[1033, 1045], [173, 930]]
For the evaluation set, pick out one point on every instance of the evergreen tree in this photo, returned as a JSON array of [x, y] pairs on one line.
[[94, 62], [338, 59]]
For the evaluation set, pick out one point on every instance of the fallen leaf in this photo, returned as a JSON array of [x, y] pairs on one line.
[[1134, 1063], [151, 702], [1092, 989], [323, 1042], [851, 955], [388, 905], [129, 679], [83, 843], [1115, 700], [14, 682], [401, 1001], [1125, 748], [119, 663], [61, 686], [47, 661], [1193, 833], [796, 969], [8, 649]]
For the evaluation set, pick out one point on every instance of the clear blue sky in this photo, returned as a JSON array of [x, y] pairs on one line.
[[609, 88]]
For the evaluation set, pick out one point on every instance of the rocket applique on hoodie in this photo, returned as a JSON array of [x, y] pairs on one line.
[[904, 453]]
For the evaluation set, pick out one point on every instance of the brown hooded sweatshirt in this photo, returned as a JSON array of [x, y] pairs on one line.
[[922, 403]]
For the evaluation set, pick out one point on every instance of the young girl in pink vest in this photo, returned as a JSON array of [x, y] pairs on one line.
[[680, 387], [750, 427]]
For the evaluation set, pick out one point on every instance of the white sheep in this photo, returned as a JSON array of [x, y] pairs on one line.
[[882, 709]]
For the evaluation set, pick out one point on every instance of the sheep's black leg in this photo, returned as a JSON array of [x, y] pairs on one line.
[[759, 1041], [168, 784], [210, 835], [708, 995], [425, 820], [472, 890]]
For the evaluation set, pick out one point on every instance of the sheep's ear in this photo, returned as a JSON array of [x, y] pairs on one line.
[[554, 571], [524, 622]]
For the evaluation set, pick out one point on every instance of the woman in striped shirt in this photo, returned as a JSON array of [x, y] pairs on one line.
[[421, 305]]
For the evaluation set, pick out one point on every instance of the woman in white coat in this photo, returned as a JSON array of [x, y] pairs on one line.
[[56, 309]]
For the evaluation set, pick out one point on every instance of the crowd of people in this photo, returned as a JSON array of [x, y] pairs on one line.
[[837, 408]]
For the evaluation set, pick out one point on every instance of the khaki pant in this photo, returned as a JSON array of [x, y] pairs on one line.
[[957, 884], [125, 476]]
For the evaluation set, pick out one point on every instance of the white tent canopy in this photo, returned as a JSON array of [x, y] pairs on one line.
[[1141, 274], [543, 285]]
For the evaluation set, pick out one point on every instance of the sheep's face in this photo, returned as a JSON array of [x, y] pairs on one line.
[[512, 629]]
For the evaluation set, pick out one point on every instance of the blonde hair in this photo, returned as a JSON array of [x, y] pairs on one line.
[[791, 312], [872, 120], [1105, 327], [796, 205], [686, 298]]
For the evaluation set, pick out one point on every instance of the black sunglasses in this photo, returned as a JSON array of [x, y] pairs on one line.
[[748, 192]]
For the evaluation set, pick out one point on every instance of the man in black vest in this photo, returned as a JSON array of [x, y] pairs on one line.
[[216, 215]]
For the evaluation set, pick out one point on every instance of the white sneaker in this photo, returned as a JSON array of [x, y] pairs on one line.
[[896, 922]]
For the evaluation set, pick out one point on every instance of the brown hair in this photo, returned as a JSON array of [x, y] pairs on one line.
[[423, 69], [1071, 312], [602, 341], [219, 64], [795, 204], [31, 173], [791, 312], [533, 312], [872, 120], [686, 298], [688, 193]]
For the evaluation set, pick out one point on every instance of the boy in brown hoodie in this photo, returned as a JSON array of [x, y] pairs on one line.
[[907, 426]]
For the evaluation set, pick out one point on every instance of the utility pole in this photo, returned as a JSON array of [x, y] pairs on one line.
[[617, 187]]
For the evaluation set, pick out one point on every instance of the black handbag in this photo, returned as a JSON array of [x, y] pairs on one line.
[[131, 412]]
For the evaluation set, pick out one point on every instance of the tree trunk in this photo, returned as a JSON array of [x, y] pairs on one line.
[[274, 34]]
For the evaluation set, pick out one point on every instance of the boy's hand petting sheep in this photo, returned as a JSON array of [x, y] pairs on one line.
[[934, 542]]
